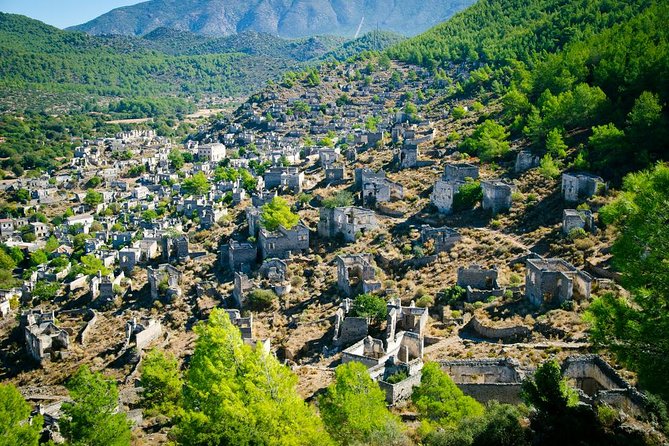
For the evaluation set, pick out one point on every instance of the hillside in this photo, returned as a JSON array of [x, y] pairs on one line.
[[73, 67], [278, 17], [500, 30]]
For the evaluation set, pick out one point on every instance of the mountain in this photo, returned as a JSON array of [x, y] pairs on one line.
[[285, 18]]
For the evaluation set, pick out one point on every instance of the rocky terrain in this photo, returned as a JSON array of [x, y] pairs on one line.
[[289, 19]]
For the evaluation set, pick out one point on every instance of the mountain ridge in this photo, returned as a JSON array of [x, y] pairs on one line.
[[283, 18]]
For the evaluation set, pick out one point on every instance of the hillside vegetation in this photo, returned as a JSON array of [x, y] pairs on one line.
[[563, 67]]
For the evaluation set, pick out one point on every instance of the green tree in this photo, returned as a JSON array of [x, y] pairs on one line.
[[93, 198], [91, 266], [51, 244], [555, 144], [92, 418], [467, 196], [488, 142], [547, 391], [176, 158], [371, 306], [149, 215], [6, 261], [38, 257], [548, 167], [439, 401], [196, 185], [45, 290], [608, 149], [354, 409], [236, 394], [277, 213], [636, 329], [16, 428], [162, 383], [22, 196]]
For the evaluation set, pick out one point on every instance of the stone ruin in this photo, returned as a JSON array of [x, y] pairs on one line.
[[577, 186], [497, 196], [45, 341], [245, 326], [407, 156], [575, 219], [348, 329], [412, 319], [142, 332], [175, 248], [273, 274], [555, 281], [480, 283], [443, 239], [455, 176], [347, 222], [241, 257], [356, 274], [165, 282], [500, 380], [526, 160]]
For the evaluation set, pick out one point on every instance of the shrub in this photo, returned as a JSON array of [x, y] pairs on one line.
[[425, 301], [607, 415], [452, 295], [262, 299], [548, 168], [397, 377], [577, 233], [468, 196]]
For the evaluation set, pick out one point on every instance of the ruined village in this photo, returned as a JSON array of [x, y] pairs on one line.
[[369, 163]]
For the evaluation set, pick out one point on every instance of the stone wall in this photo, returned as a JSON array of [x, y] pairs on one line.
[[515, 333], [148, 335], [402, 390], [89, 326], [508, 393]]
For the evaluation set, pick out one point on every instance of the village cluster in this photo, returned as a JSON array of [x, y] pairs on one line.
[[307, 142]]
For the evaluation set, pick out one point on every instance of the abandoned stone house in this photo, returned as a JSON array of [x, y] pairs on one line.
[[175, 248], [241, 256], [575, 219], [348, 329], [128, 258], [328, 157], [165, 282], [45, 341], [242, 286], [289, 178], [460, 172], [404, 347], [497, 196], [212, 153], [245, 326], [356, 274], [376, 190], [480, 283], [142, 332], [526, 160], [283, 243], [443, 195], [335, 173], [411, 319], [578, 186], [349, 222], [554, 281], [500, 379], [442, 239], [102, 289], [407, 155], [445, 189]]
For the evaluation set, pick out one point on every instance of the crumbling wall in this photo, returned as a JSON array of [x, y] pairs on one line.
[[517, 332], [402, 390]]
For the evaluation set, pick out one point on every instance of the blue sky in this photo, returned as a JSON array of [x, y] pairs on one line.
[[62, 13]]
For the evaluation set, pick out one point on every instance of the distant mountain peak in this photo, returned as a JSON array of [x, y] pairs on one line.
[[284, 18]]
